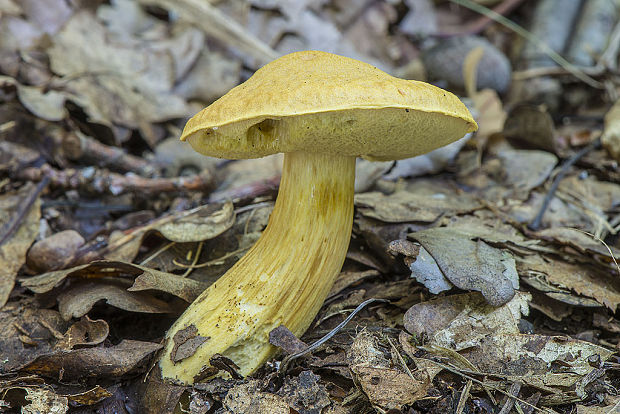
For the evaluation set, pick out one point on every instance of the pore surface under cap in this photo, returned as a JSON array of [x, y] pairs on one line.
[[319, 102]]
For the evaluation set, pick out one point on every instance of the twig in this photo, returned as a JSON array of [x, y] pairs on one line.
[[535, 225], [486, 386], [483, 21], [515, 389], [400, 358], [210, 262], [22, 210], [157, 253], [102, 181], [289, 358], [464, 397], [598, 239], [607, 61], [217, 24], [103, 248], [80, 147], [572, 69], [248, 191], [191, 267]]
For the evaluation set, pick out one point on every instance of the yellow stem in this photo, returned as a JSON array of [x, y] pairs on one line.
[[282, 280]]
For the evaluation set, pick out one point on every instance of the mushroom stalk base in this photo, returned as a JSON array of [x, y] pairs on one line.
[[282, 280]]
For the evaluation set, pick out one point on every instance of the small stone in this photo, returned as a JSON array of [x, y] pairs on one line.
[[54, 252]]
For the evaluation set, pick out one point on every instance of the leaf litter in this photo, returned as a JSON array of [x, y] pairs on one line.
[[109, 227]]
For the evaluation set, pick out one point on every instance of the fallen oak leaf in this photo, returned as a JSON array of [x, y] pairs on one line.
[[186, 289]]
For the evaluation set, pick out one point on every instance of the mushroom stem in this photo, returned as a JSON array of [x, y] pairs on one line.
[[282, 280]]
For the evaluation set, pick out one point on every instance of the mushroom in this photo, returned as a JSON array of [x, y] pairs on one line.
[[322, 111]]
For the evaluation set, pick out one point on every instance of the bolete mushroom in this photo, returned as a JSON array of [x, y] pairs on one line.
[[322, 111]]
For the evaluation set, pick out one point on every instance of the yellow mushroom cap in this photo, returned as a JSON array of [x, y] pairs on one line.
[[319, 102]]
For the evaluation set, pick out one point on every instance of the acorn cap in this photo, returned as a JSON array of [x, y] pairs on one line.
[[319, 102]]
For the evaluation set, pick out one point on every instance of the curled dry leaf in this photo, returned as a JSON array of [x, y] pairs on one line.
[[112, 362], [583, 242], [19, 321], [206, 223], [84, 332], [78, 300], [426, 271], [186, 289], [446, 61], [199, 224], [471, 265], [583, 279]]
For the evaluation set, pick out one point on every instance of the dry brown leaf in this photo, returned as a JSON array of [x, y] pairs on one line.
[[519, 179], [85, 332], [79, 299], [471, 264], [13, 249], [426, 271], [461, 321], [539, 282], [386, 387], [43, 326], [206, 223], [102, 362], [199, 224], [584, 280], [48, 105], [212, 76], [116, 84], [591, 193], [305, 394], [89, 397], [215, 23], [537, 360], [249, 399], [186, 289], [583, 242], [44, 400], [408, 206]]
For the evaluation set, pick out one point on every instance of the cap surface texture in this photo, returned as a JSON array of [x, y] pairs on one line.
[[319, 102]]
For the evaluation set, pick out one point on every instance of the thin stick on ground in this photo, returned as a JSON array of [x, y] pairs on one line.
[[535, 225], [24, 207], [97, 180], [572, 69], [289, 358]]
